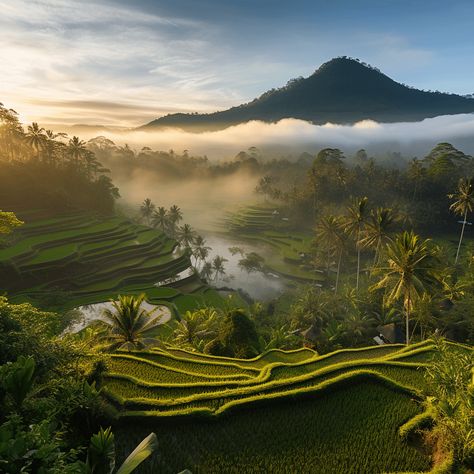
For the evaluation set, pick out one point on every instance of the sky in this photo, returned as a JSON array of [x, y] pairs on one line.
[[124, 63]]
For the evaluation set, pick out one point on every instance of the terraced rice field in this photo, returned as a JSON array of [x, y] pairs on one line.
[[280, 412], [88, 259], [286, 249]]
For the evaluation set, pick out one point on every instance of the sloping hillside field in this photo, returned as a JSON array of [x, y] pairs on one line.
[[82, 259], [281, 412], [287, 251]]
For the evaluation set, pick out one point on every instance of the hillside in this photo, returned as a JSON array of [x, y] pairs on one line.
[[281, 412], [342, 90], [81, 258]]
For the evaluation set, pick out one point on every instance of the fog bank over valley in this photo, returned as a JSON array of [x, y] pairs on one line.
[[292, 136]]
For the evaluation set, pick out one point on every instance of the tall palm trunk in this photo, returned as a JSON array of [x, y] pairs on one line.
[[358, 258], [407, 322], [462, 235], [338, 271]]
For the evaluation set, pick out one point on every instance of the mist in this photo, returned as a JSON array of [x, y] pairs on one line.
[[292, 136], [204, 201]]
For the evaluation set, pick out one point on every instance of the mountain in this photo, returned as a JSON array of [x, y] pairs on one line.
[[342, 90]]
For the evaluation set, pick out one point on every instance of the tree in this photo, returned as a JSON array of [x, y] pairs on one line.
[[175, 216], [238, 336], [265, 186], [252, 262], [195, 327], [200, 249], [8, 222], [129, 326], [462, 205], [416, 173], [147, 209], [206, 271], [408, 274], [450, 405], [36, 137], [160, 219], [76, 149], [354, 224], [330, 232], [218, 266], [378, 230], [185, 235]]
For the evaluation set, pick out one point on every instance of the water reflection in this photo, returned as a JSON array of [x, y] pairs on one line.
[[260, 286]]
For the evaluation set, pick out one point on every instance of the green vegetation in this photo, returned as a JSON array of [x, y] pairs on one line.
[[80, 258], [337, 395]]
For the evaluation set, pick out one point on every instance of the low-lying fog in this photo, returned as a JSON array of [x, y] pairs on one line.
[[293, 136]]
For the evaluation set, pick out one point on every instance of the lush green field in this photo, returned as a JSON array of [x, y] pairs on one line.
[[79, 259], [287, 251], [280, 412]]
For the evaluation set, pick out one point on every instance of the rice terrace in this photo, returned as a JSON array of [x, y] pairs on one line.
[[236, 237]]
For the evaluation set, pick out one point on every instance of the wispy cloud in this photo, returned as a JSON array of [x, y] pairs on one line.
[[56, 51], [182, 55]]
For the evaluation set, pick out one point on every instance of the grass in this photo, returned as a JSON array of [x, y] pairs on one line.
[[72, 260], [282, 412]]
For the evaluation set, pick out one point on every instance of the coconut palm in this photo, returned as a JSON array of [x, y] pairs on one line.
[[147, 209], [175, 214], [462, 205], [186, 235], [218, 266], [51, 146], [206, 271], [416, 172], [35, 137], [76, 149], [355, 221], [200, 249], [160, 219], [408, 274], [330, 233], [129, 326], [378, 230], [194, 327]]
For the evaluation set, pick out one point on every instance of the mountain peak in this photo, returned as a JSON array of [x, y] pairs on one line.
[[341, 90]]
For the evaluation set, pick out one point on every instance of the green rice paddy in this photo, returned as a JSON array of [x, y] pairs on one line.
[[281, 412]]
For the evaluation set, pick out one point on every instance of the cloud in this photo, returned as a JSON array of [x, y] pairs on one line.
[[294, 136]]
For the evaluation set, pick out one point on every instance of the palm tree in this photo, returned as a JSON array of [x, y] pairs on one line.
[[147, 209], [35, 137], [186, 235], [378, 229], [160, 219], [76, 149], [129, 325], [175, 216], [200, 249], [416, 172], [408, 274], [354, 224], [463, 203], [51, 145], [218, 266], [194, 327], [330, 233], [206, 271]]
